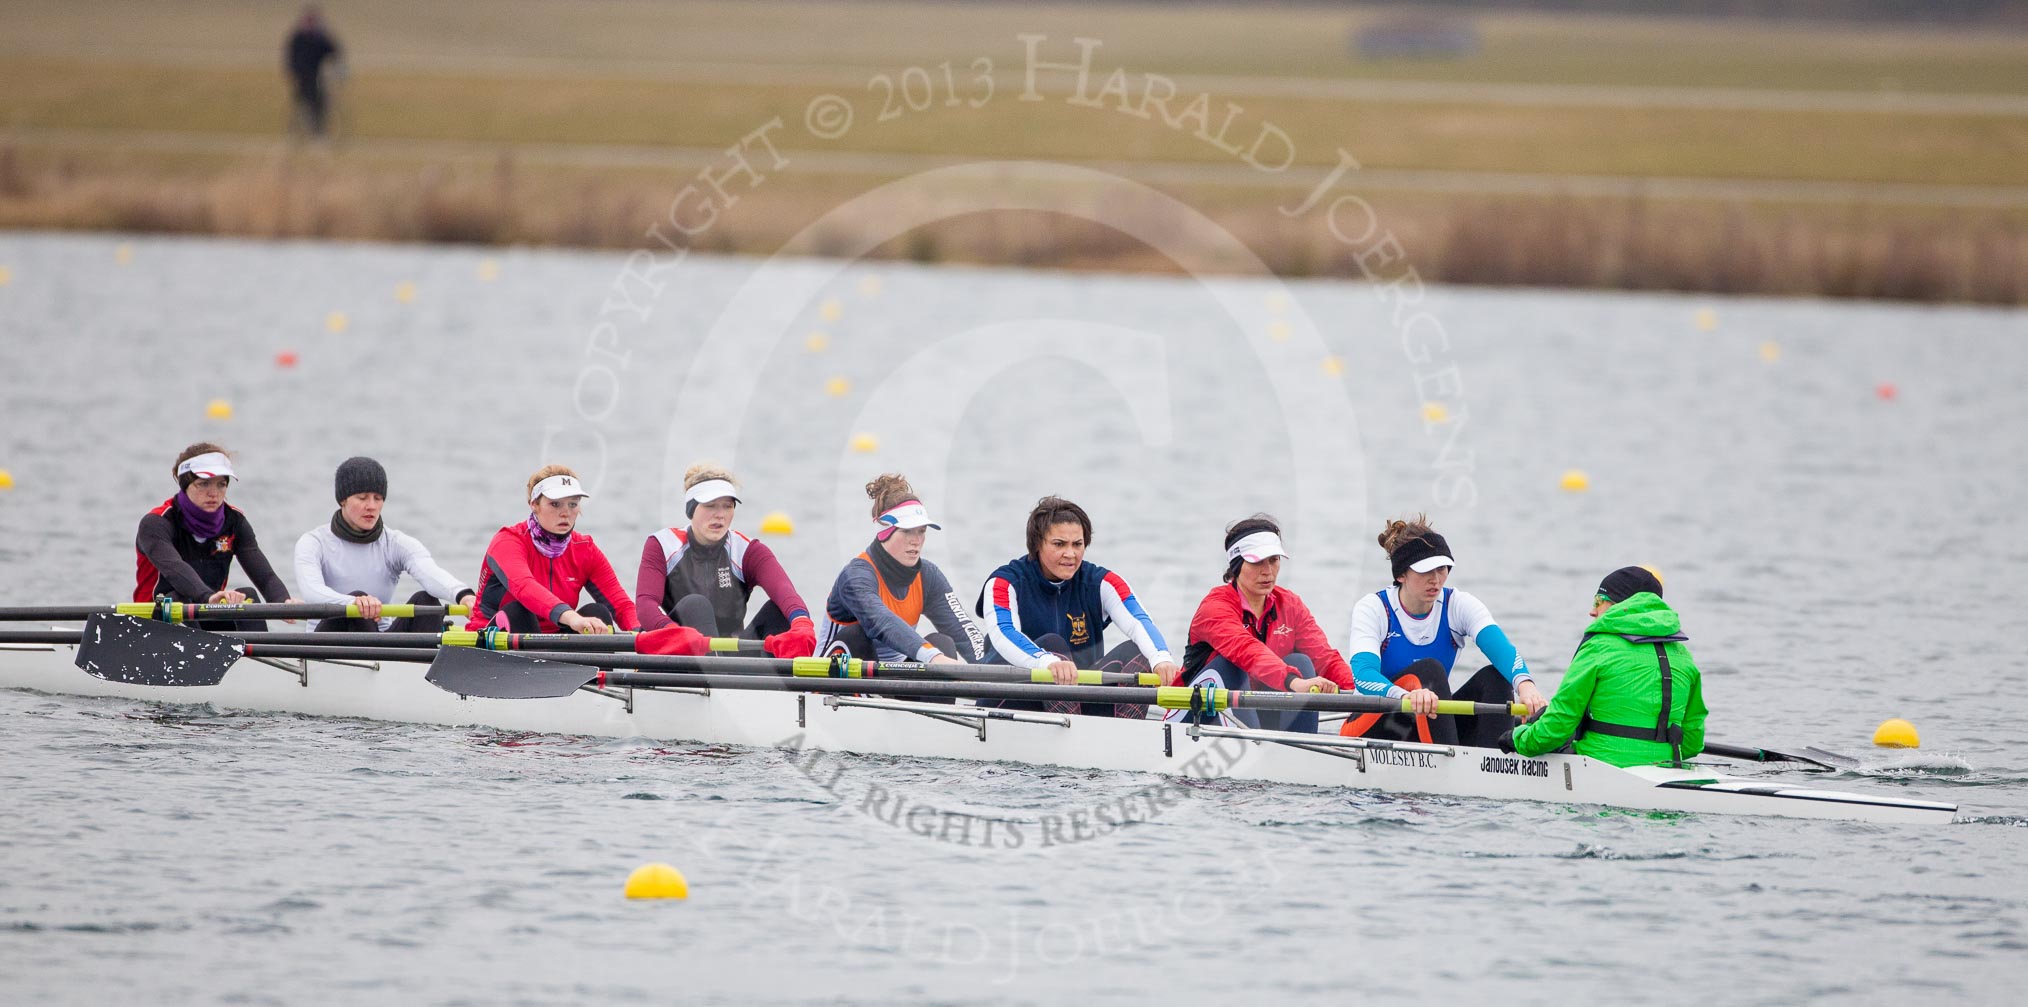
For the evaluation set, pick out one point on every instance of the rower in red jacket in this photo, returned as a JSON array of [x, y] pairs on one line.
[[1249, 633], [535, 570]]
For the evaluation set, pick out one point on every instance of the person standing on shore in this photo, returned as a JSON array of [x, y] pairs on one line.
[[309, 47]]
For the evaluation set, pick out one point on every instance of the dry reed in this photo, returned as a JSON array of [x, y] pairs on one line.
[[1968, 256]]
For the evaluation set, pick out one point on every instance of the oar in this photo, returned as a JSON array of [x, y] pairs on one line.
[[1818, 757], [797, 667], [124, 649], [486, 639], [490, 675], [183, 612], [136, 651]]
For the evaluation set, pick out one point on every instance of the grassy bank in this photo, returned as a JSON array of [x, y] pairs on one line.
[[1804, 250], [562, 122]]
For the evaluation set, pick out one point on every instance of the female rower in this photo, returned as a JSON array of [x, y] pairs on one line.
[[702, 575], [183, 550], [1632, 696], [1050, 609], [1405, 639], [1251, 633], [535, 569], [884, 591], [357, 559]]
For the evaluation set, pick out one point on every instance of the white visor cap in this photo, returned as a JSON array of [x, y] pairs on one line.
[[712, 489], [908, 514], [1428, 563], [209, 465], [558, 487], [1256, 547]]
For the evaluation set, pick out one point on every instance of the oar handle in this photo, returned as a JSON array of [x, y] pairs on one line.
[[1037, 676], [187, 612], [419, 647], [495, 639], [176, 611], [1173, 697]]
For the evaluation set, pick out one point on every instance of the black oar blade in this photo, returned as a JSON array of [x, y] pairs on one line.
[[121, 648], [469, 671], [1829, 760], [1816, 757]]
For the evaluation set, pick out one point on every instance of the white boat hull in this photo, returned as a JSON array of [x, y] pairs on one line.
[[397, 692]]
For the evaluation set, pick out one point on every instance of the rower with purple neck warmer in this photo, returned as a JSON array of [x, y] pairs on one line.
[[1406, 638], [185, 547], [887, 589]]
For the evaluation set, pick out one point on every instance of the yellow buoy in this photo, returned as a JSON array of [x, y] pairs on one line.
[[123, 253], [865, 444], [6, 276], [1575, 481], [817, 341], [869, 286], [404, 291], [1434, 412], [1707, 319], [1896, 733], [777, 523], [489, 270], [1278, 331], [336, 322], [831, 311], [6, 480], [657, 881], [1333, 366], [1770, 351], [219, 409], [837, 387]]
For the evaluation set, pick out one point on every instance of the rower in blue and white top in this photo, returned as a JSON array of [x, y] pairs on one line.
[[357, 559], [1406, 638], [1048, 611]]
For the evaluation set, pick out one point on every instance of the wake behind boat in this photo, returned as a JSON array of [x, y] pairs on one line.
[[852, 715]]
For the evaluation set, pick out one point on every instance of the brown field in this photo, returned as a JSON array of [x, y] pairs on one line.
[[576, 121]]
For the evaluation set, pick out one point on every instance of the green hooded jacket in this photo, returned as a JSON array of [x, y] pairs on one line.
[[1620, 682]]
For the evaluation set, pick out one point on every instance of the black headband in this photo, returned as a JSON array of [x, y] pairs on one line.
[[1416, 550], [1628, 581]]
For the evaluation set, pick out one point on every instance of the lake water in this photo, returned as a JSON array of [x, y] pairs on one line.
[[1833, 492]]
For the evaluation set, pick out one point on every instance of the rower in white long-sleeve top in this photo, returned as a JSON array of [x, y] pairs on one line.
[[357, 559]]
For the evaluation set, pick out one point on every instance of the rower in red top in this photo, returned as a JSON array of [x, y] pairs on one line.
[[184, 548], [1250, 633], [703, 574], [535, 570]]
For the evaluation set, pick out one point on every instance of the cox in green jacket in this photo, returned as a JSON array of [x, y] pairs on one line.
[[1615, 680]]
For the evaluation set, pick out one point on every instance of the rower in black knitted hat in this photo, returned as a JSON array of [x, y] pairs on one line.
[[360, 474], [357, 559]]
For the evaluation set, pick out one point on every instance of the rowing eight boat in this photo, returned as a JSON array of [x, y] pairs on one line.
[[841, 722]]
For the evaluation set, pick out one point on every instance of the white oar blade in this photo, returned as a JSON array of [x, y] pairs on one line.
[[486, 674], [121, 648]]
